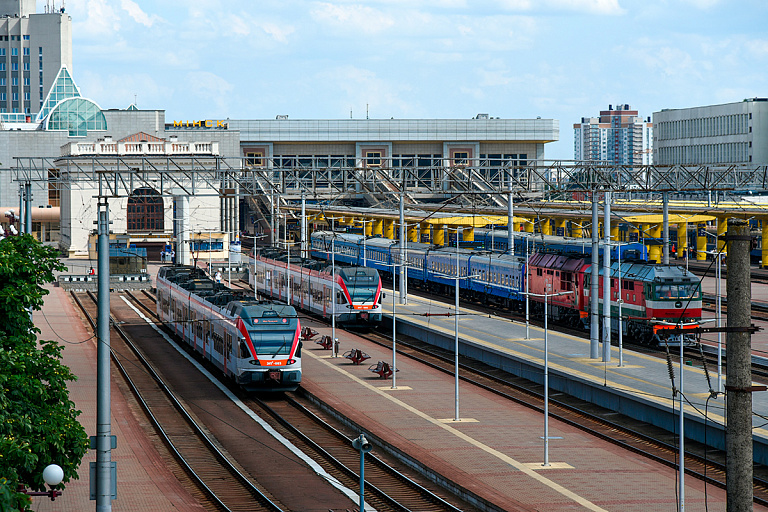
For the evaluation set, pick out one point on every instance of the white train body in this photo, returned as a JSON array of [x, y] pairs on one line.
[[357, 289], [254, 343]]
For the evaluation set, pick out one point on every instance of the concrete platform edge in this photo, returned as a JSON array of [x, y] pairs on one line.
[[442, 481], [696, 428]]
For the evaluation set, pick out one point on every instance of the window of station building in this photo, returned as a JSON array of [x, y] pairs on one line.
[[54, 188], [145, 211], [372, 158], [26, 37], [460, 158], [14, 66], [26, 66], [14, 51], [26, 50], [254, 159]]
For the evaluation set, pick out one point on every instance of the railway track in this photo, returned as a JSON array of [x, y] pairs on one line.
[[659, 445], [386, 489], [220, 483]]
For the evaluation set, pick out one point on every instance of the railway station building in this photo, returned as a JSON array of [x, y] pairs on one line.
[[713, 134]]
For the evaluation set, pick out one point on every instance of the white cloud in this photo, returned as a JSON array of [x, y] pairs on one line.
[[591, 6], [277, 32], [702, 4], [210, 88], [352, 18], [99, 18], [139, 16]]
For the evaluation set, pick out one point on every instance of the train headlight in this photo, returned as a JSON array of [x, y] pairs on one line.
[[255, 362], [291, 361]]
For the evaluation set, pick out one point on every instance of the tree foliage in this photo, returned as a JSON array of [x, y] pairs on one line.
[[38, 421]]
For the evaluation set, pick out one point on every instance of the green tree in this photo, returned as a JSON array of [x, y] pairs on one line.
[[38, 421]]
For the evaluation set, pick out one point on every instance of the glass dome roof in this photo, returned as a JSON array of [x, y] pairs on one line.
[[76, 115]]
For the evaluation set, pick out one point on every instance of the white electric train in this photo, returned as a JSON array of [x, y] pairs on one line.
[[254, 343]]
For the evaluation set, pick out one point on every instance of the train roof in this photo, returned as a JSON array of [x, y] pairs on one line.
[[370, 241], [254, 309], [198, 282]]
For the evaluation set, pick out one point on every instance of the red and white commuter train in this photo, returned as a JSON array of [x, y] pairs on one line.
[[254, 343], [357, 290]]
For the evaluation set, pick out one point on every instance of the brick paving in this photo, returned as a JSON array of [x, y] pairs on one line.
[[144, 481], [492, 456]]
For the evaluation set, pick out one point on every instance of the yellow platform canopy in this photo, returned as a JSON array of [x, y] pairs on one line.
[[674, 218]]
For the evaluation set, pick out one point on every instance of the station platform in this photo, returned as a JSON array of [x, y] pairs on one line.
[[641, 388], [145, 482], [496, 450]]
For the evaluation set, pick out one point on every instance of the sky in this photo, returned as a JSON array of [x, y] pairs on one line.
[[417, 59]]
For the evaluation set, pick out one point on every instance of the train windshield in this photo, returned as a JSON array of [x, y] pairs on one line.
[[275, 343], [362, 284], [677, 291]]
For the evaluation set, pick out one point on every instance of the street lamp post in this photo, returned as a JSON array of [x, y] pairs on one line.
[[363, 446], [53, 475], [719, 315], [457, 278], [546, 365], [527, 301]]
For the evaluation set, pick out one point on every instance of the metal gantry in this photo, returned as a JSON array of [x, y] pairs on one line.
[[216, 175]]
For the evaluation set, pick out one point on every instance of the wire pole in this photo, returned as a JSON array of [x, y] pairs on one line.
[[738, 433], [607, 280], [103, 405], [594, 324]]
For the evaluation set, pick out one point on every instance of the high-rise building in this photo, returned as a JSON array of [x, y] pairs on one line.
[[714, 134], [618, 136], [33, 49]]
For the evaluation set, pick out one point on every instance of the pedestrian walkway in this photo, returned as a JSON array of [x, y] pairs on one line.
[[144, 482]]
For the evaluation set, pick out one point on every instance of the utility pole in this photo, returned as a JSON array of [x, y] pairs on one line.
[[738, 430], [607, 280], [594, 317], [665, 232]]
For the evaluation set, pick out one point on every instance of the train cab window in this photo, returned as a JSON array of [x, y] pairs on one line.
[[538, 272], [244, 352]]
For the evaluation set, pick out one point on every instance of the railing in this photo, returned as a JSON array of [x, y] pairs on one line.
[[139, 148]]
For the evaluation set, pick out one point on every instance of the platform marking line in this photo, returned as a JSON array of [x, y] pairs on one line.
[[398, 388], [612, 369], [353, 495], [522, 467]]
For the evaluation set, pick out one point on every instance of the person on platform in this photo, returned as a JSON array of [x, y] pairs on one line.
[[91, 272], [218, 276]]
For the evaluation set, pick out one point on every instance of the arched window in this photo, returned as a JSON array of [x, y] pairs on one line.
[[145, 211]]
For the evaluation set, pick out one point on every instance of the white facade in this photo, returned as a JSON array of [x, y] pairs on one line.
[[618, 136], [79, 206], [716, 134]]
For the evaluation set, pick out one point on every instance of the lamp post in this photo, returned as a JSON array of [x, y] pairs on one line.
[[363, 446], [457, 278], [394, 324], [546, 365], [53, 475], [681, 435], [333, 287], [719, 315]]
